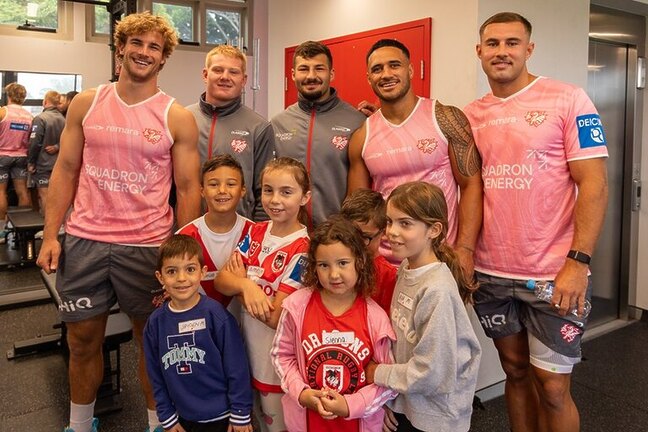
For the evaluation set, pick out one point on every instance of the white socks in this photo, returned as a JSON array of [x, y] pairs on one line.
[[152, 419], [81, 417]]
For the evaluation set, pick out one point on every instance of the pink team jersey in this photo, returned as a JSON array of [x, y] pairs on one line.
[[526, 142], [415, 150], [14, 131], [125, 179], [217, 248], [275, 264]]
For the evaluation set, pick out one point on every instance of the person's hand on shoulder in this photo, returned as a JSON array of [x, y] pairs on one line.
[[367, 108]]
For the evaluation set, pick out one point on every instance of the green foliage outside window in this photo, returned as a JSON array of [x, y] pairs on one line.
[[181, 17], [14, 12]]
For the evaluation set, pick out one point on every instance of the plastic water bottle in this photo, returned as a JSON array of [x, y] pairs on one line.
[[544, 291]]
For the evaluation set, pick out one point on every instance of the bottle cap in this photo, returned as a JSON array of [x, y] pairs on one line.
[[531, 284]]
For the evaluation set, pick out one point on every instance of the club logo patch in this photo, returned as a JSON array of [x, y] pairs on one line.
[[569, 332], [238, 145], [340, 141], [535, 118], [254, 246], [427, 145], [590, 131], [333, 376], [279, 261], [153, 136]]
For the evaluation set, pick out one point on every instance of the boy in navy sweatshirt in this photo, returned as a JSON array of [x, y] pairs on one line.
[[195, 356]]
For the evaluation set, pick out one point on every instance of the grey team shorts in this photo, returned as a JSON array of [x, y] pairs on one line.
[[14, 167], [92, 276], [40, 178], [506, 306]]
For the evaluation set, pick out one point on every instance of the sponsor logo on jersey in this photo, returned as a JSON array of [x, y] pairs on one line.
[[427, 145], [285, 136], [535, 118], [240, 132], [19, 126], [279, 261], [590, 131], [340, 141], [152, 135], [238, 145], [490, 321], [340, 129]]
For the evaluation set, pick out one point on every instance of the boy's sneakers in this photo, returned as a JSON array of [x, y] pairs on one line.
[[157, 429], [95, 426]]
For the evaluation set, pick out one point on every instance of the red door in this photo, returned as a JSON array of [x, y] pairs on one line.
[[349, 54]]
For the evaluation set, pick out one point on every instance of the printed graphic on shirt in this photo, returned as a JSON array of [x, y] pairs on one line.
[[238, 145], [152, 135], [182, 353], [427, 145], [535, 118], [337, 366], [590, 131], [340, 142]]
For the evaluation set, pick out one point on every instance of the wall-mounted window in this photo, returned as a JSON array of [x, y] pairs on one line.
[[36, 18], [200, 23], [37, 84], [181, 16]]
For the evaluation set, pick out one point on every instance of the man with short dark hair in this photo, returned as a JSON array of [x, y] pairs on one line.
[[545, 195], [44, 144], [316, 129], [411, 138]]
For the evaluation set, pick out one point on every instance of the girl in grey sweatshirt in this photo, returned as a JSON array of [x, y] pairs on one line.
[[436, 352]]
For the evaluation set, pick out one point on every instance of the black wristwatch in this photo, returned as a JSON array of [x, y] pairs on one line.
[[579, 256]]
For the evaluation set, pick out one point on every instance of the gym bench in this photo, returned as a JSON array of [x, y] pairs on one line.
[[119, 330]]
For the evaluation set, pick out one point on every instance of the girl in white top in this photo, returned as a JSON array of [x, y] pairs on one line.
[[436, 353], [264, 270]]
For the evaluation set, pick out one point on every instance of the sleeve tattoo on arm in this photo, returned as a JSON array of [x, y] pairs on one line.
[[456, 128]]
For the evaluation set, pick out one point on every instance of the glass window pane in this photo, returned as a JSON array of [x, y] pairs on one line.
[[41, 13], [101, 20], [180, 16], [37, 84], [223, 26]]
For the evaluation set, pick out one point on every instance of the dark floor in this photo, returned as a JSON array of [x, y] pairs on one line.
[[610, 386]]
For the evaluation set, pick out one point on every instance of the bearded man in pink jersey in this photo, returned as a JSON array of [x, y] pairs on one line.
[[122, 146], [411, 138], [545, 195]]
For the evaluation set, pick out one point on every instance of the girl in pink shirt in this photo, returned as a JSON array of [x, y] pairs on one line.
[[321, 360]]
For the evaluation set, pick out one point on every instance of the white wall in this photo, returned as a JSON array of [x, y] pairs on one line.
[[560, 32]]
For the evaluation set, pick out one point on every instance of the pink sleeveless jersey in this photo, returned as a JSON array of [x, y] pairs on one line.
[[14, 131], [415, 150], [123, 192], [526, 142]]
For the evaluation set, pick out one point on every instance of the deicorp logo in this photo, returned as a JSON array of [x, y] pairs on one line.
[[590, 131]]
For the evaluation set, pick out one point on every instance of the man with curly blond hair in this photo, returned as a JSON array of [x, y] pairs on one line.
[[122, 146]]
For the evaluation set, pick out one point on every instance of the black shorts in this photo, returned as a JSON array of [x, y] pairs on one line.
[[506, 306]]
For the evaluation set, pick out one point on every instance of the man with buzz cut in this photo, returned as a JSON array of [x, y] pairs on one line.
[[122, 146], [227, 126], [545, 194], [316, 129]]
